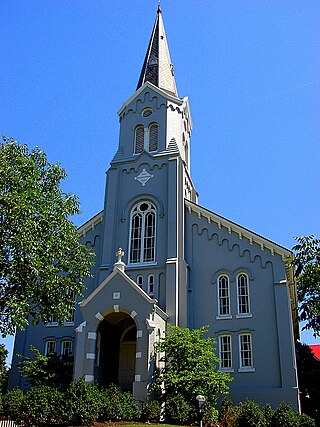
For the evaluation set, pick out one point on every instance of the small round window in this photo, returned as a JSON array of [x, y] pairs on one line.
[[146, 112]]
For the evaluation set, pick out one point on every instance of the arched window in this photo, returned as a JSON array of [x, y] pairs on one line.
[[142, 233], [139, 139], [151, 284], [140, 281], [153, 137], [223, 296], [243, 294]]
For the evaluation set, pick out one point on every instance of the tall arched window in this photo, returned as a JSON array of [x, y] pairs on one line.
[[139, 139], [223, 296], [142, 233], [243, 294], [153, 137]]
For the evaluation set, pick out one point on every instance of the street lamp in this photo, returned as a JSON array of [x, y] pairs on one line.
[[202, 406]]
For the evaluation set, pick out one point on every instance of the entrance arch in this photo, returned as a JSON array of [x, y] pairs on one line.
[[116, 351]]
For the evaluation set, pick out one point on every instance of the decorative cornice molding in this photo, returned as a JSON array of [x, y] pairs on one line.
[[90, 224], [238, 229]]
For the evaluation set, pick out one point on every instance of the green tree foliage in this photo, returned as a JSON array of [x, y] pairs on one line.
[[42, 263], [3, 368], [308, 368], [306, 260], [52, 370], [189, 368]]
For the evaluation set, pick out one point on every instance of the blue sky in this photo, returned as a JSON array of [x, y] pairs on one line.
[[251, 69]]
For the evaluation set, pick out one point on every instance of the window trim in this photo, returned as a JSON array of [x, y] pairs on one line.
[[229, 368], [46, 352], [248, 312], [146, 138], [150, 293], [242, 368], [62, 347], [152, 209], [229, 315]]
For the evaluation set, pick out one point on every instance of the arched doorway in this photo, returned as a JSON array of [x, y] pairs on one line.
[[116, 351]]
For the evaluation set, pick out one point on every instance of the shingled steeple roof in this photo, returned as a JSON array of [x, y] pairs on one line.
[[157, 68]]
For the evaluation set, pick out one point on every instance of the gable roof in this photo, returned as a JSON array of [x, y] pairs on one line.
[[241, 231], [90, 224]]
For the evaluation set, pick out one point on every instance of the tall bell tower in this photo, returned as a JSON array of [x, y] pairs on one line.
[[147, 182]]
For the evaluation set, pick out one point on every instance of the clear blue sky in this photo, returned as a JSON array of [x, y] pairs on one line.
[[251, 69]]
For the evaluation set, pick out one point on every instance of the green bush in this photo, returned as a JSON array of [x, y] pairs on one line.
[[211, 416], [251, 415], [268, 413], [151, 412], [42, 406], [179, 411], [229, 414], [83, 403], [284, 416], [12, 404], [306, 421], [119, 405]]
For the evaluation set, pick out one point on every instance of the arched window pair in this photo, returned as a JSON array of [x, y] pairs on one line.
[[146, 138], [243, 301], [150, 283], [142, 233]]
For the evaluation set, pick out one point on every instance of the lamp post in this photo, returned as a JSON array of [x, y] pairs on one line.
[[202, 406]]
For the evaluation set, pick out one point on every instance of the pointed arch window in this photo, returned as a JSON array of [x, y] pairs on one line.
[[142, 233], [146, 138], [139, 139], [153, 137]]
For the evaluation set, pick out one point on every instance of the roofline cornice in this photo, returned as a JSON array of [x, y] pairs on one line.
[[241, 231], [90, 224], [154, 88]]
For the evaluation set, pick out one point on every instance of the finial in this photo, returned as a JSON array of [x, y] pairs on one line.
[[119, 264], [159, 8]]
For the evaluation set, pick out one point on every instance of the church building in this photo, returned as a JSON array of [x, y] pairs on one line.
[[161, 259]]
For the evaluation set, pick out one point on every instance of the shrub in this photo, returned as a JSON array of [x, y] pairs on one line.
[[179, 411], [211, 416], [306, 421], [83, 403], [268, 413], [12, 404], [42, 406], [151, 412], [228, 414], [284, 416], [251, 415], [119, 405]]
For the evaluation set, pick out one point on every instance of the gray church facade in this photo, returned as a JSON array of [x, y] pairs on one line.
[[180, 264]]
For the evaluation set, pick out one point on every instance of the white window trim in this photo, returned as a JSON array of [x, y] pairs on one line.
[[141, 284], [47, 345], [246, 368], [143, 263], [149, 277], [231, 369], [247, 314], [62, 346], [223, 316]]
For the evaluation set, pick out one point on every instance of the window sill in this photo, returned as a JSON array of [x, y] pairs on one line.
[[142, 265], [226, 370], [247, 370], [68, 324], [224, 317], [243, 316], [52, 324]]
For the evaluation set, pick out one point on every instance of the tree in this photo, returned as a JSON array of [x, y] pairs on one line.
[[189, 368], [306, 260], [308, 369], [3, 368], [51, 370], [42, 263]]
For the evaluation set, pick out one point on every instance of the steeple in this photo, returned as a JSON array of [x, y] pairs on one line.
[[157, 68]]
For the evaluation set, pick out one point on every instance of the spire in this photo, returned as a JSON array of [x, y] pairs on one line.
[[157, 68]]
